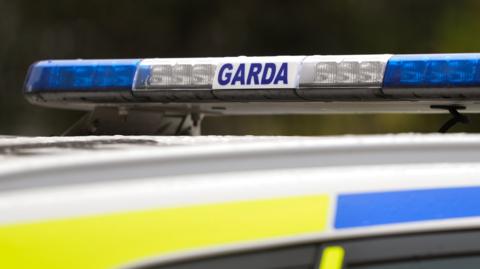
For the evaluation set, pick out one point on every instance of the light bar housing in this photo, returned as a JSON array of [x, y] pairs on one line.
[[247, 85]]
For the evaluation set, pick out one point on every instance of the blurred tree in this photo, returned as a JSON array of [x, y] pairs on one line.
[[35, 30]]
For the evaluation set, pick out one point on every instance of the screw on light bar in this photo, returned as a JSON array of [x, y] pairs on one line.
[[433, 79]]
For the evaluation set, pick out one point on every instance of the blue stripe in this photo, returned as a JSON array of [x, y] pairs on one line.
[[369, 209], [433, 71], [81, 75]]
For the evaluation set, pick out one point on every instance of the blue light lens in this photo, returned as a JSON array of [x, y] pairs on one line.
[[433, 71], [81, 75]]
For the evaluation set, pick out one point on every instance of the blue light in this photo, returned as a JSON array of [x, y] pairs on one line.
[[81, 75], [433, 71]]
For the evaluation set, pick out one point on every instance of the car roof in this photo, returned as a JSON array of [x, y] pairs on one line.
[[21, 155], [45, 162], [37, 152]]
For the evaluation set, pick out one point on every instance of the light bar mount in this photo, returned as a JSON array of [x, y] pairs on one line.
[[456, 116], [118, 120]]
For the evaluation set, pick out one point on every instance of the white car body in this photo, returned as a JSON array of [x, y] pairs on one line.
[[49, 179]]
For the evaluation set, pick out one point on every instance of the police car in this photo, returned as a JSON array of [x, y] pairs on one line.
[[147, 200]]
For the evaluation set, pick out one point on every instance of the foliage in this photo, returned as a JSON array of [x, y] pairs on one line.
[[33, 30]]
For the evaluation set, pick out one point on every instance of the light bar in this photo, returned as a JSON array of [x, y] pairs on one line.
[[427, 78]]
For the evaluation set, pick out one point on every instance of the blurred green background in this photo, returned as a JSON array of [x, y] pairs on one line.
[[35, 30]]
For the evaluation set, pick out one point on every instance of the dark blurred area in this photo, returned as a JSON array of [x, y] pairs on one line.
[[68, 29]]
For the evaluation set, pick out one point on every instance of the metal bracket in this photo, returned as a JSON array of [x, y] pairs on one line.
[[121, 121], [456, 116]]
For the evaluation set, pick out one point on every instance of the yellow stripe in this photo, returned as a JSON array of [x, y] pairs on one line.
[[332, 258], [112, 240]]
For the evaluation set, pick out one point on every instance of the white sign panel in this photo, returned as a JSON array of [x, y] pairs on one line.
[[279, 72]]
